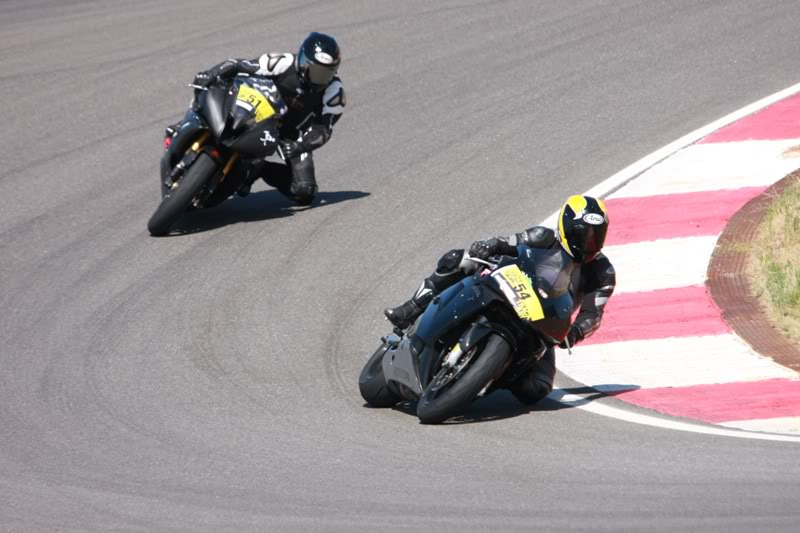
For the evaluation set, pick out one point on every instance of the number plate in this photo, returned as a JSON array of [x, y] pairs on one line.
[[517, 287], [256, 101]]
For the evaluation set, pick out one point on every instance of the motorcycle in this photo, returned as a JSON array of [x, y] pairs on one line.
[[228, 123], [477, 336]]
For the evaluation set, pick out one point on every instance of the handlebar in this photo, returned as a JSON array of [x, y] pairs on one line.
[[481, 261], [197, 87]]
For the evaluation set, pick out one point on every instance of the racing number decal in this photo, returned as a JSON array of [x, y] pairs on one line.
[[257, 101], [519, 290]]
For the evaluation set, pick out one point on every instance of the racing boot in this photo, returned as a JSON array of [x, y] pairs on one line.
[[407, 313], [448, 271], [254, 172], [244, 189]]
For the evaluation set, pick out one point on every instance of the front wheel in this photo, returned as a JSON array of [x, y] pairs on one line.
[[174, 204], [454, 388], [372, 383]]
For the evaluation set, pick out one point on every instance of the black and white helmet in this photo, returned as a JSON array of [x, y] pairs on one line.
[[317, 61]]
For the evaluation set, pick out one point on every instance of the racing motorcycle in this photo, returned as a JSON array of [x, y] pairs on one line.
[[477, 336], [228, 123]]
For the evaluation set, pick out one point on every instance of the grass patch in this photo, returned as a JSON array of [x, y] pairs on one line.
[[774, 264]]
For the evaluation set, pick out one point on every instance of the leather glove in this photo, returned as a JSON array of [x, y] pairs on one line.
[[574, 336], [290, 149], [483, 249], [203, 79]]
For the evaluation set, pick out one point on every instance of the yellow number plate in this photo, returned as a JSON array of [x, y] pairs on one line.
[[261, 106], [519, 290]]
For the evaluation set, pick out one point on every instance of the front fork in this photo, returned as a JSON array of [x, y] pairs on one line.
[[177, 172], [199, 145]]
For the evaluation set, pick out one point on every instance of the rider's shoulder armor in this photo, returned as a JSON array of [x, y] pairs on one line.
[[537, 237], [334, 99], [274, 64], [280, 68]]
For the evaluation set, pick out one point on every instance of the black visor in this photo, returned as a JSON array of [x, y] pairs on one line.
[[591, 240], [316, 74], [320, 75]]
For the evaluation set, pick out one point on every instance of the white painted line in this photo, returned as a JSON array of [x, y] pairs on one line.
[[628, 173], [712, 167], [785, 425], [663, 264], [600, 408], [611, 184], [675, 362]]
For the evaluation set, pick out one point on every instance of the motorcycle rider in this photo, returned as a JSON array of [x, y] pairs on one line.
[[581, 232], [314, 95]]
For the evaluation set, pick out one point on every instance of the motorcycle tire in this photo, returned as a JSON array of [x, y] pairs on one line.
[[180, 198], [436, 406], [372, 383]]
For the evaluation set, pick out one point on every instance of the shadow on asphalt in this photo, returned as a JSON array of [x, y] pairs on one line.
[[502, 404], [258, 207]]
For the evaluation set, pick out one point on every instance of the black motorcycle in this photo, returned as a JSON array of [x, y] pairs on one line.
[[477, 336], [229, 123]]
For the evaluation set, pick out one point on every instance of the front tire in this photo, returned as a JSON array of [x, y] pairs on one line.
[[444, 399], [372, 382], [180, 198]]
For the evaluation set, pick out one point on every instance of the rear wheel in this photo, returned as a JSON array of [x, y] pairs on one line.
[[454, 388], [372, 383], [180, 197]]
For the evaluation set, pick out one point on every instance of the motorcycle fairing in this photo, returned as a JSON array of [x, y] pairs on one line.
[[254, 109], [259, 141], [190, 128], [518, 289], [400, 365], [214, 108], [539, 284], [254, 102], [457, 303], [554, 277]]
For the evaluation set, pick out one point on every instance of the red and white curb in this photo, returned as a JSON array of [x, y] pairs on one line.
[[663, 344]]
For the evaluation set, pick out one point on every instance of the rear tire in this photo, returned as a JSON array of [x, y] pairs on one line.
[[372, 382], [436, 406], [180, 198]]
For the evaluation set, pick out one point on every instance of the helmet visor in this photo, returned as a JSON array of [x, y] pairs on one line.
[[593, 240], [320, 75]]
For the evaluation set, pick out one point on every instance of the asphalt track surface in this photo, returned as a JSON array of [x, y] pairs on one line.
[[207, 381]]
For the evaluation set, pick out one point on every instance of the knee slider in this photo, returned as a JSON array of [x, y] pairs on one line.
[[304, 193], [530, 390]]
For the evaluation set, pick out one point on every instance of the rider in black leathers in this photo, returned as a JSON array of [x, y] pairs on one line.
[[581, 232], [314, 95]]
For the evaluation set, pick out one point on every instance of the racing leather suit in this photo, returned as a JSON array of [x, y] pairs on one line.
[[597, 281], [308, 123]]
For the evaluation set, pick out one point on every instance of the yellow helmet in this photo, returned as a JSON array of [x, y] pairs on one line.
[[582, 227]]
